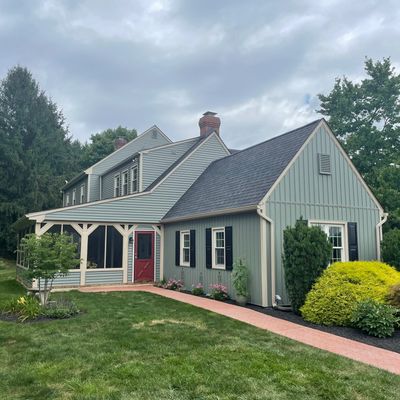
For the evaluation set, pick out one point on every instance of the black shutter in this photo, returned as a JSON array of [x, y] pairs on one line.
[[208, 248], [192, 248], [353, 241], [228, 248], [177, 248]]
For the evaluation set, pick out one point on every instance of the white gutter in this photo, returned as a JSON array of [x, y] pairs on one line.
[[260, 212], [379, 235]]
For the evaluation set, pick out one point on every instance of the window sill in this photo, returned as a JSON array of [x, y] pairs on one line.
[[184, 266], [221, 268]]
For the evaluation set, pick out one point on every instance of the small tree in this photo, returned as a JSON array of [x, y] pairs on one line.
[[391, 248], [48, 256], [307, 252]]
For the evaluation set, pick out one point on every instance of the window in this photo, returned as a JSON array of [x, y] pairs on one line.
[[67, 200], [124, 183], [82, 197], [335, 233], [74, 196], [218, 248], [134, 179], [185, 248], [117, 179]]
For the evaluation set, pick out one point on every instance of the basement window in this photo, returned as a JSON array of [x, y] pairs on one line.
[[324, 164]]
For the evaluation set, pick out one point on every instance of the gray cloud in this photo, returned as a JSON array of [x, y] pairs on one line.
[[260, 64]]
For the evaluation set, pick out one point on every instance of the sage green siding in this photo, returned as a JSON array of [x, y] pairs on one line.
[[151, 206], [104, 276], [245, 245], [94, 187], [77, 187], [338, 197], [156, 161]]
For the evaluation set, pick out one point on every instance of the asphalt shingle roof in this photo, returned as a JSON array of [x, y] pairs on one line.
[[243, 178]]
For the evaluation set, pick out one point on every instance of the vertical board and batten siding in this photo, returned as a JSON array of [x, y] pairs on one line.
[[107, 180], [245, 245], [77, 186], [337, 197], [104, 276], [156, 161], [144, 141], [150, 207]]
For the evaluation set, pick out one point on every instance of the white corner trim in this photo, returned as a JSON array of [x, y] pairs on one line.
[[140, 177], [383, 219]]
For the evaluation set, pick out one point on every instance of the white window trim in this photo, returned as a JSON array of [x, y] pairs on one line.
[[181, 258], [117, 177], [213, 247], [343, 225], [74, 197], [134, 168], [82, 194], [125, 181]]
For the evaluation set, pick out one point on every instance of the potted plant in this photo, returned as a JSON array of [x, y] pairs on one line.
[[240, 277]]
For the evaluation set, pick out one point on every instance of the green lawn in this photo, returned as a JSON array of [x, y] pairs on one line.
[[141, 346]]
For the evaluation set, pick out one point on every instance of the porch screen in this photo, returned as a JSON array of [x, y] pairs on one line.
[[105, 248]]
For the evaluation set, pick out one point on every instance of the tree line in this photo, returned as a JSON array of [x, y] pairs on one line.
[[38, 154]]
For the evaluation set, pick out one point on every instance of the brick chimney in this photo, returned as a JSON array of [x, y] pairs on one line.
[[209, 123], [119, 142]]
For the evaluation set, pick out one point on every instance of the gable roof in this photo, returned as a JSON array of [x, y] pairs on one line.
[[242, 179]]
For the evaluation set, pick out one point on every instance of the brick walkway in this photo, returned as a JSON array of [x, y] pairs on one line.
[[371, 355]]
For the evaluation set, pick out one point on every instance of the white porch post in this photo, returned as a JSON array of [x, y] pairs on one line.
[[162, 253], [84, 252], [38, 234], [125, 232]]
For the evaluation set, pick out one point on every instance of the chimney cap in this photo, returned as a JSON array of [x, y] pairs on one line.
[[210, 113]]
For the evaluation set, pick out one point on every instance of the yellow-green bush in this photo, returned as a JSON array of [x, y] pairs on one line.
[[335, 295]]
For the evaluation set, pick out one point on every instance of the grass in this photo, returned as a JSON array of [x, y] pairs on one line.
[[141, 346]]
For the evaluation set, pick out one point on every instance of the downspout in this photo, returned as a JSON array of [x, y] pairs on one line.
[[260, 212], [383, 218]]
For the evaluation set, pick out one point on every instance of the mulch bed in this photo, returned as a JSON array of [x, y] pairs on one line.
[[391, 343]]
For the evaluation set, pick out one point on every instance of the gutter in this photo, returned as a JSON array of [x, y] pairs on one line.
[[260, 212], [379, 235]]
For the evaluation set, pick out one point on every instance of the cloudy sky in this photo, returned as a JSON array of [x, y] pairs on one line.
[[259, 64]]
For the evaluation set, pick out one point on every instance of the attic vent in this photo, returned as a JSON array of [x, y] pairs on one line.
[[324, 164], [154, 134]]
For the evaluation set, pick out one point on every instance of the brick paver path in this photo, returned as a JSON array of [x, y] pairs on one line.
[[371, 355]]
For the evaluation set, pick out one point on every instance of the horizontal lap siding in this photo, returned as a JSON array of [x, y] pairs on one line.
[[103, 277], [157, 161], [94, 187], [337, 197], [157, 257], [72, 279], [246, 245], [150, 207]]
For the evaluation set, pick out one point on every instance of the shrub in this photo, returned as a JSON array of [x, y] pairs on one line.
[[198, 290], [393, 297], [174, 284], [60, 309], [24, 308], [391, 248], [219, 292], [336, 293], [307, 252], [375, 318], [240, 278]]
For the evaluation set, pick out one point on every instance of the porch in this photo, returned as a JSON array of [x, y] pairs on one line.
[[110, 253]]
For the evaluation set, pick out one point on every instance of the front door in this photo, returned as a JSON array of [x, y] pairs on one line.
[[144, 257]]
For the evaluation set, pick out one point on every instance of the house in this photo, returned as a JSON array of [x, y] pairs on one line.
[[158, 209]]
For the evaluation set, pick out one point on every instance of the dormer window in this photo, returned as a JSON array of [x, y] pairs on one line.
[[134, 179], [117, 185], [74, 197], [124, 183], [67, 200], [82, 194]]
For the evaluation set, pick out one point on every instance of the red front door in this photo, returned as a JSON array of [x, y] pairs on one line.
[[144, 257]]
